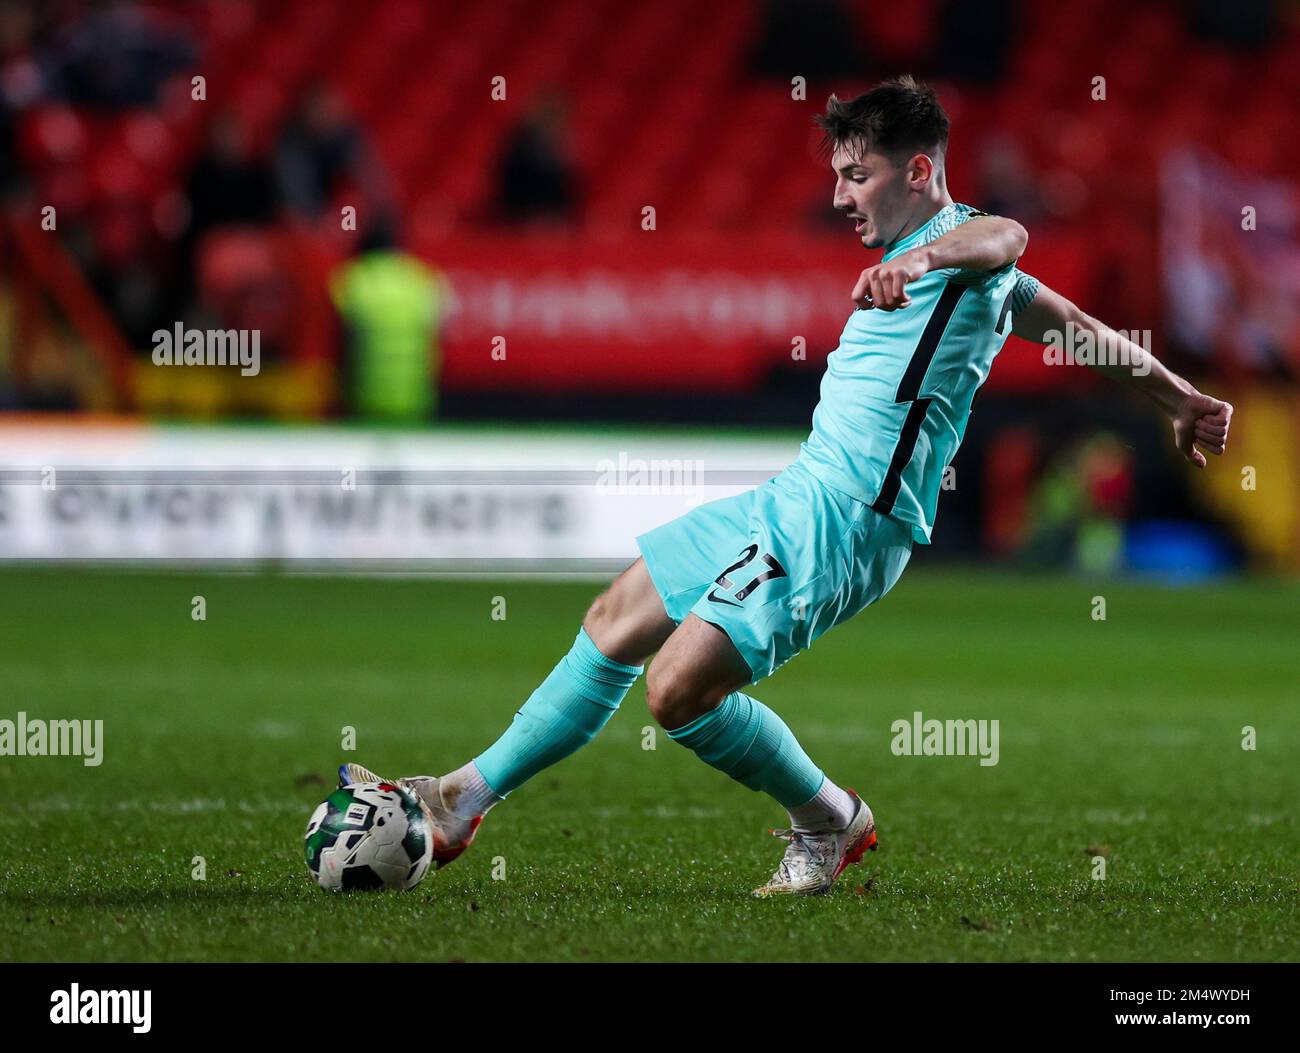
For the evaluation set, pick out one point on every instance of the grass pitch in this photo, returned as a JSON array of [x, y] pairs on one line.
[[1119, 739]]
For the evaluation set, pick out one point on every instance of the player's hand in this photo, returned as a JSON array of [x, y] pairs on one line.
[[884, 286], [1201, 421]]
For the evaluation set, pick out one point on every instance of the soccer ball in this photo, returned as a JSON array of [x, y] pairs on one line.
[[369, 835]]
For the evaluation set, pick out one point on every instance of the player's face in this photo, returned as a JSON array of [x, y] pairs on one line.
[[872, 191]]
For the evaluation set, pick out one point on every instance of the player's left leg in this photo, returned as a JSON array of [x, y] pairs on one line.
[[693, 692], [624, 625]]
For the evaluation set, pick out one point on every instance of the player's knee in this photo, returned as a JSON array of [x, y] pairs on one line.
[[605, 626], [674, 699], [627, 623], [608, 630], [662, 695], [599, 616]]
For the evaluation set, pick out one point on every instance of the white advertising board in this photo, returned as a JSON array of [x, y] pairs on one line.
[[351, 497]]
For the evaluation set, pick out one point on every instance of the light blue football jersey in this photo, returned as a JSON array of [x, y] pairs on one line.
[[897, 391]]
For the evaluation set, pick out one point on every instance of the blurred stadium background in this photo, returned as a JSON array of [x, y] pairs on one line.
[[433, 214]]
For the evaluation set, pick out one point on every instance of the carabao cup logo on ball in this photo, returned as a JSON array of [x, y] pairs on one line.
[[369, 836]]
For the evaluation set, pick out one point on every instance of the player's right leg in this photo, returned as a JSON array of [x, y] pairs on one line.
[[625, 625], [693, 691], [809, 558]]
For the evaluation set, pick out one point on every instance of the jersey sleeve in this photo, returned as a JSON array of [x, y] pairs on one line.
[[1022, 295]]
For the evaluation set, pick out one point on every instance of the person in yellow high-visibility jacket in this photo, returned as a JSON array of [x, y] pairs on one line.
[[392, 306]]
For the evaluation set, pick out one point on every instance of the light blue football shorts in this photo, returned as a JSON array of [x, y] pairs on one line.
[[776, 567]]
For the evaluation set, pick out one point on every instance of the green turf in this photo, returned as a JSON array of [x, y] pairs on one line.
[[1119, 738]]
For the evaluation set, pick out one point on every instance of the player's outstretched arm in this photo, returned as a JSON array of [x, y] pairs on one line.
[[1198, 419], [985, 243]]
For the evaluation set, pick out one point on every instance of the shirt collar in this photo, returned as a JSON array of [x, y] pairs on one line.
[[918, 236]]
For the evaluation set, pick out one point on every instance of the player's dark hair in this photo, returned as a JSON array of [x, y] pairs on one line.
[[899, 116]]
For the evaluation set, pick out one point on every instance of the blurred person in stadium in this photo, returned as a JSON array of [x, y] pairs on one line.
[[1078, 506], [392, 306], [127, 258], [731, 591], [229, 182], [322, 151], [119, 54], [536, 179], [808, 38], [975, 40], [25, 72], [229, 185]]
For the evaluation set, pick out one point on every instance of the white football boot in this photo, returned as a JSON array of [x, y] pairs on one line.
[[451, 834], [813, 861]]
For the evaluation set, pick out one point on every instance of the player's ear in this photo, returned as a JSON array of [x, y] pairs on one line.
[[920, 170]]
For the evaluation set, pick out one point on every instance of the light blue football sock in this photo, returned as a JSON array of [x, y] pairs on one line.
[[561, 716], [749, 742]]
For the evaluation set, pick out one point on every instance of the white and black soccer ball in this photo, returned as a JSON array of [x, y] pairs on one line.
[[369, 835]]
